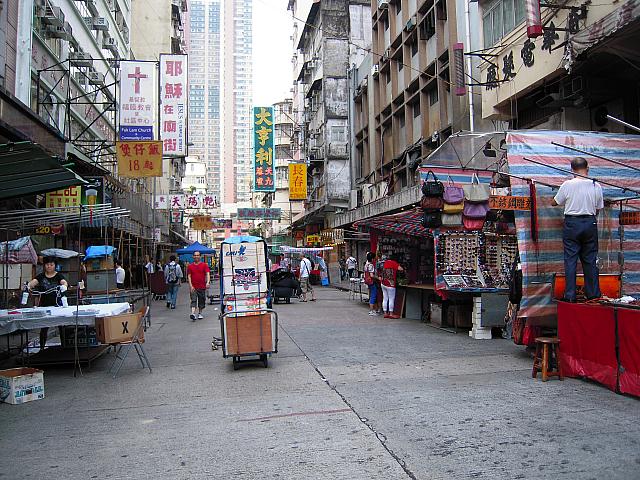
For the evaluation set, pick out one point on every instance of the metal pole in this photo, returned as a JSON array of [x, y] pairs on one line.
[[628, 125], [596, 156]]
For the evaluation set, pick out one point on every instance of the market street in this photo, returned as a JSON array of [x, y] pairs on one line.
[[347, 396]]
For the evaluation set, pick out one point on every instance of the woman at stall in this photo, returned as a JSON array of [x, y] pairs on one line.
[[390, 269], [370, 279]]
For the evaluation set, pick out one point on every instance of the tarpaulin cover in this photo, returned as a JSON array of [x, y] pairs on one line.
[[195, 247], [587, 336], [19, 251], [629, 342], [543, 258], [59, 253], [407, 223], [100, 251]]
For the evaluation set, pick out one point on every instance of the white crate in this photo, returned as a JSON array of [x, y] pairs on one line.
[[21, 385]]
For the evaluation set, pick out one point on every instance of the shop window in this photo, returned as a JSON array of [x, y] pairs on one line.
[[500, 17]]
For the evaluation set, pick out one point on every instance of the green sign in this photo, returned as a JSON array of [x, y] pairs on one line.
[[263, 150]]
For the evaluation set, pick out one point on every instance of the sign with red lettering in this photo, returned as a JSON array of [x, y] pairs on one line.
[[173, 104], [264, 150], [630, 218], [505, 202], [139, 159], [138, 100]]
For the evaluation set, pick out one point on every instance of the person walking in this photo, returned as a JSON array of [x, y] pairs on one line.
[[370, 281], [390, 269], [352, 263], [173, 276], [305, 273], [120, 275], [198, 277], [582, 199], [343, 268]]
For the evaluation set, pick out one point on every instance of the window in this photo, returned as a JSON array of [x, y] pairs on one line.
[[414, 47], [499, 18], [433, 95], [416, 110], [339, 134]]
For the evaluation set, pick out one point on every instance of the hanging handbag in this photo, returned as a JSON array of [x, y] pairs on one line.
[[431, 203], [452, 194], [432, 188], [476, 210], [475, 191], [472, 223], [453, 208], [431, 219], [452, 220]]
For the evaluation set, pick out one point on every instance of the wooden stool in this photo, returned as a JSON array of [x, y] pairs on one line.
[[543, 364]]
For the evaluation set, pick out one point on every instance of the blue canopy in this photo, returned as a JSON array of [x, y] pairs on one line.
[[99, 252], [243, 238], [195, 247]]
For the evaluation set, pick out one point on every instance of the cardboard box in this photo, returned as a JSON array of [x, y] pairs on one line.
[[21, 385], [103, 263], [118, 328], [101, 281], [249, 334], [87, 336]]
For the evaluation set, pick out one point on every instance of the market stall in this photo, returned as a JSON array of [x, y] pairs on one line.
[[319, 275]]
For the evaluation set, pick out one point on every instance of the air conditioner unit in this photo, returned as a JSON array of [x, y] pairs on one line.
[[80, 59], [81, 78], [375, 70], [411, 24], [64, 33], [383, 4], [100, 23], [109, 43], [366, 193], [91, 6], [381, 189], [385, 55], [96, 78], [53, 16], [125, 34]]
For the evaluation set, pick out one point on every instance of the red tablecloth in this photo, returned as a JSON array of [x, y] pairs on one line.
[[587, 336], [629, 344]]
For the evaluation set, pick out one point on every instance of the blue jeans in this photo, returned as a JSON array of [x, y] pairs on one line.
[[172, 293], [373, 294], [580, 240]]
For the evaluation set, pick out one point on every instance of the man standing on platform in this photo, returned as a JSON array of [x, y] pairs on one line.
[[120, 275], [198, 276], [581, 198]]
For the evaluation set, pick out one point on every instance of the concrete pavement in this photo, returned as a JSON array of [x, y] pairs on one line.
[[347, 396]]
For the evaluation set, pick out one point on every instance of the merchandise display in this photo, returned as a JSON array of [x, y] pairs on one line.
[[414, 254]]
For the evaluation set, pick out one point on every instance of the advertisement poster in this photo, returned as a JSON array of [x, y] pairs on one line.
[[173, 104], [138, 100]]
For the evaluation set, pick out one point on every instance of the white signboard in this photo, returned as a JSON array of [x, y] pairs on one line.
[[182, 202], [173, 105], [138, 100]]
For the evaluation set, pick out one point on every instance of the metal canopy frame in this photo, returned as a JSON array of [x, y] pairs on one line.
[[19, 219]]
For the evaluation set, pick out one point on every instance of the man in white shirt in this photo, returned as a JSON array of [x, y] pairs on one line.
[[120, 275], [305, 273], [581, 198], [352, 263]]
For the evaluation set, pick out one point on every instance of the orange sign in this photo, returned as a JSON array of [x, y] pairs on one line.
[[297, 181], [139, 159], [202, 223], [504, 202], [630, 218], [69, 197]]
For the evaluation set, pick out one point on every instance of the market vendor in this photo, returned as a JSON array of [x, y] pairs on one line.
[[582, 199], [46, 281]]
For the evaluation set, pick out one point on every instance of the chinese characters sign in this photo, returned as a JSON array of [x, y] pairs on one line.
[[500, 202], [222, 223], [264, 161], [173, 104], [297, 181], [259, 213], [90, 194], [179, 201], [138, 100], [202, 223], [630, 218], [139, 159]]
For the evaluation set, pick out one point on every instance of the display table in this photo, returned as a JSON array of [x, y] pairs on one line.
[[601, 342], [40, 317]]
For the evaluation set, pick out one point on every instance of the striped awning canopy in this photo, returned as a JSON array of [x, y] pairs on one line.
[[407, 223]]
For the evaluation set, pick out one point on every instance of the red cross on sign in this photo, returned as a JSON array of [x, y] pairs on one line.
[[137, 75]]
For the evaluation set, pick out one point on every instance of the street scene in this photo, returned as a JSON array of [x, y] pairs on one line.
[[319, 239]]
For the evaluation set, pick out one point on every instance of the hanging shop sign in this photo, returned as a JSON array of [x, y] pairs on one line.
[[222, 223], [202, 222], [179, 201], [139, 159], [505, 202], [49, 230], [297, 181], [173, 104], [630, 218], [311, 239], [259, 213], [263, 153], [138, 100], [176, 216], [161, 202], [89, 194]]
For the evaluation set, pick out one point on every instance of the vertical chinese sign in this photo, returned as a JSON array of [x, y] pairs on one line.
[[138, 100], [297, 181], [173, 104], [264, 161], [139, 159]]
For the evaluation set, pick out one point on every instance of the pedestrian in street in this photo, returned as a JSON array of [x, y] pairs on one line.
[[47, 281], [198, 276], [305, 273], [370, 281], [343, 268], [390, 269], [173, 276], [120, 274], [582, 199], [352, 263], [148, 270]]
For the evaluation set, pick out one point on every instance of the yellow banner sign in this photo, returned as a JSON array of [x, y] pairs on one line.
[[297, 181], [69, 197], [202, 223], [139, 159], [313, 239]]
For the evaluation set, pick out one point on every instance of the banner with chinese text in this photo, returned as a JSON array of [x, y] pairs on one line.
[[202, 223], [173, 104], [297, 181], [259, 213], [90, 194], [139, 159], [180, 201], [222, 223], [263, 150], [138, 100]]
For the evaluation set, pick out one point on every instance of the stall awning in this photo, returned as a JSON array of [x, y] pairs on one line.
[[406, 223], [26, 169]]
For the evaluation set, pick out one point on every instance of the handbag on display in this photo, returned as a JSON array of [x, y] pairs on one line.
[[472, 223], [452, 219], [431, 203], [453, 208], [432, 188], [476, 210], [431, 219], [475, 191], [453, 194]]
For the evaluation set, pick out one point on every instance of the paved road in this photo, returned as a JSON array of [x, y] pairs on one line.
[[348, 396]]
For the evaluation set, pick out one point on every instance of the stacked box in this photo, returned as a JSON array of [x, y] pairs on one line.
[[21, 385], [101, 281], [87, 336]]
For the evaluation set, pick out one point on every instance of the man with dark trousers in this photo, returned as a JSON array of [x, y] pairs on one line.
[[582, 199]]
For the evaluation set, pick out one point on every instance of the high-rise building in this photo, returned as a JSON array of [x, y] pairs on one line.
[[220, 95]]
